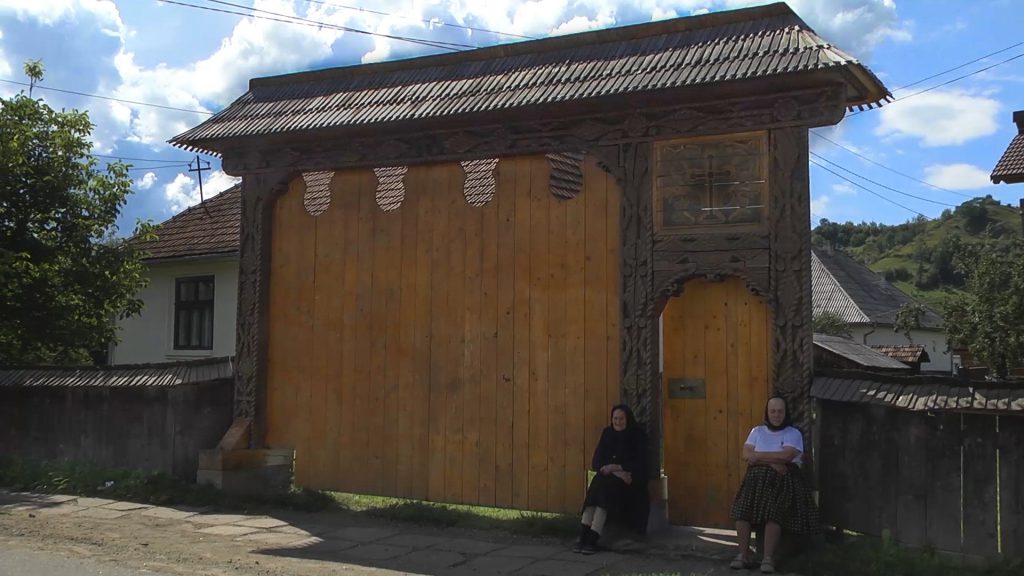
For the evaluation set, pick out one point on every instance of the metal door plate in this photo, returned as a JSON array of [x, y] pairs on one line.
[[686, 388]]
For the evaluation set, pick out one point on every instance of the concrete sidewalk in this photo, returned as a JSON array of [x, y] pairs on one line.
[[357, 540]]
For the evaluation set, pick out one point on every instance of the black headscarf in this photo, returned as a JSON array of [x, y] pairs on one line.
[[786, 422]]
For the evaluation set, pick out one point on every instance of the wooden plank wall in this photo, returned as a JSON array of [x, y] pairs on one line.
[[946, 480], [442, 351]]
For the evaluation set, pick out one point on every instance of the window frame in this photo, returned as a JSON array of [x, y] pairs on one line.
[[195, 304]]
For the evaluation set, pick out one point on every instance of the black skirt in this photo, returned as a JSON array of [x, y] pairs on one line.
[[781, 498], [627, 504]]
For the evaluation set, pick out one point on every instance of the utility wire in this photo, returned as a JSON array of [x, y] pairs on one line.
[[893, 170], [41, 87], [848, 171], [314, 24], [425, 21], [838, 175], [944, 72], [947, 82], [307, 21], [119, 158]]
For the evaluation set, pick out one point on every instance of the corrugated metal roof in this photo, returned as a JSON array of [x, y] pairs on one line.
[[163, 374], [906, 353], [918, 393], [857, 353], [735, 45], [853, 292]]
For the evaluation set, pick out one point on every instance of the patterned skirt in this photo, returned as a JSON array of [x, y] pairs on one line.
[[781, 498]]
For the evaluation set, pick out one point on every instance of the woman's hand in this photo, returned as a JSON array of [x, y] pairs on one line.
[[751, 458], [624, 476], [610, 469], [780, 468]]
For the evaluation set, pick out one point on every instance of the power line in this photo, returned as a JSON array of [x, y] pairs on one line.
[[890, 188], [947, 82], [307, 21], [50, 88], [315, 24], [139, 159], [838, 175], [944, 72], [893, 170], [425, 21]]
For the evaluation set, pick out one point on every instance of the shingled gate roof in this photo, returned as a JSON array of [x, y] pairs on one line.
[[856, 294], [1010, 168], [696, 51]]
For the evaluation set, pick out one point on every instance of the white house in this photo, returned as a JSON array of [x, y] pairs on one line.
[[189, 306], [868, 303]]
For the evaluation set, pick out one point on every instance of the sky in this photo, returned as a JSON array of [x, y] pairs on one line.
[[165, 66]]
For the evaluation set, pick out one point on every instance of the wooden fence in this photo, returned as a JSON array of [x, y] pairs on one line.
[[953, 481]]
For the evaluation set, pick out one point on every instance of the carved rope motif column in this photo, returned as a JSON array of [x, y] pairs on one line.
[[259, 193], [630, 164], [790, 241]]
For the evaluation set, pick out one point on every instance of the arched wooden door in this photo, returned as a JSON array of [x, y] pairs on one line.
[[716, 348]]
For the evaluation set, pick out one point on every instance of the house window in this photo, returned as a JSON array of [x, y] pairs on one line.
[[193, 313]]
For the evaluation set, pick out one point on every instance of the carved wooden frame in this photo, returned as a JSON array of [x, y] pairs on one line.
[[774, 263]]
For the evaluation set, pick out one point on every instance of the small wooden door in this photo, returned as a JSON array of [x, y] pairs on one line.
[[716, 348]]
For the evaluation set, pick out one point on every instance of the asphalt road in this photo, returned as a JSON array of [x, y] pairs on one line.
[[14, 562]]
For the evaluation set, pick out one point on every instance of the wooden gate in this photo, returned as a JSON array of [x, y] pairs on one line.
[[717, 348]]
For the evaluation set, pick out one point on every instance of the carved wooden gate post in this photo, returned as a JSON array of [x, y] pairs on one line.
[[259, 191], [790, 245]]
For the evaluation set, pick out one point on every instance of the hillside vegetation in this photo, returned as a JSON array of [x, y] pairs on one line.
[[917, 256]]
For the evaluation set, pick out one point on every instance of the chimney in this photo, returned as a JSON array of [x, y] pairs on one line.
[[1018, 119]]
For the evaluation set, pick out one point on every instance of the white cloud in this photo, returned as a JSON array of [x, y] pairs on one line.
[[5, 67], [50, 12], [147, 181], [844, 189], [940, 118], [957, 176], [856, 26], [819, 206], [184, 192]]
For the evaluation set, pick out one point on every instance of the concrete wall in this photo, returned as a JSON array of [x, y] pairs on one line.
[[934, 342], [149, 337], [159, 428]]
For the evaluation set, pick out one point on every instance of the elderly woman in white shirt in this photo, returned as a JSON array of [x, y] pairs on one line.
[[774, 493]]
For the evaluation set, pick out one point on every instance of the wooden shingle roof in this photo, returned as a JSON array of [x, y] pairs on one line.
[[1010, 168], [906, 353], [206, 229], [619, 63], [136, 375], [918, 393], [853, 292]]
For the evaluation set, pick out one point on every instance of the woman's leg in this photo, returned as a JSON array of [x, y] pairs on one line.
[[600, 515], [772, 532], [743, 534], [588, 515]]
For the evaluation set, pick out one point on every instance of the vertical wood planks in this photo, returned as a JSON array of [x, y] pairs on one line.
[[719, 298], [944, 506], [1011, 483], [980, 474], [445, 351]]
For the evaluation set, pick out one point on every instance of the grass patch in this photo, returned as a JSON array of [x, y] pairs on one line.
[[866, 556], [159, 489]]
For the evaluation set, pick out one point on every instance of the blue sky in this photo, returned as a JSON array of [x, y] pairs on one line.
[[946, 139]]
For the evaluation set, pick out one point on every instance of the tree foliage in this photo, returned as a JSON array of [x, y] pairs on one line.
[[988, 318], [908, 318], [832, 324], [64, 276]]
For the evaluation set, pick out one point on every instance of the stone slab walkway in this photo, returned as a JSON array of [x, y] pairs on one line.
[[405, 548]]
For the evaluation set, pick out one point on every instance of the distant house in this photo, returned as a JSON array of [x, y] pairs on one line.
[[835, 352], [189, 305], [869, 303], [1010, 168]]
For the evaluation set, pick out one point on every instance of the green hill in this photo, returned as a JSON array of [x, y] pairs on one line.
[[917, 256]]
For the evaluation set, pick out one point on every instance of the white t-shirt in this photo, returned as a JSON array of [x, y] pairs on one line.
[[764, 440]]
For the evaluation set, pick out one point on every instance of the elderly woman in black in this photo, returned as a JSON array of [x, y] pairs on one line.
[[774, 493], [619, 490]]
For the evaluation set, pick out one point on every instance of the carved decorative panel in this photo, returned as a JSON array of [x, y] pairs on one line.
[[711, 184], [479, 185], [318, 191], [390, 186]]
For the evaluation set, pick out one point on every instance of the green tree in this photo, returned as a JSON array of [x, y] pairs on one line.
[[908, 318], [832, 324], [988, 318], [64, 276]]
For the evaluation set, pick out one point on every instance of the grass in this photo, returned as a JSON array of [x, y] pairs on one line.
[[867, 556], [159, 489]]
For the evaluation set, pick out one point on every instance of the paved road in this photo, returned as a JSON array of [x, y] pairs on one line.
[[15, 562]]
